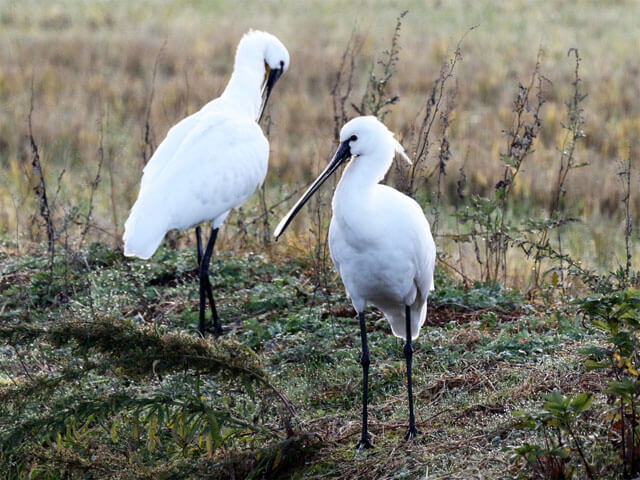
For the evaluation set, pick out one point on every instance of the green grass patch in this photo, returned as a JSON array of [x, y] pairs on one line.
[[108, 374]]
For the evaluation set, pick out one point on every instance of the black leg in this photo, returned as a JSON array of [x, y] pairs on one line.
[[205, 283], [364, 361], [408, 353], [199, 245], [217, 324]]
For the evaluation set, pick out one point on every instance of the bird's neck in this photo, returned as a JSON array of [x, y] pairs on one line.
[[365, 171], [354, 190], [244, 89]]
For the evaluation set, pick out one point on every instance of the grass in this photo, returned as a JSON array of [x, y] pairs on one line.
[[87, 359]]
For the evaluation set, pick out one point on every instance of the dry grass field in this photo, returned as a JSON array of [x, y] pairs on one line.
[[91, 65]]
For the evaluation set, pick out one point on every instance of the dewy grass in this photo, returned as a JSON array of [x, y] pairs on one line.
[[84, 390]]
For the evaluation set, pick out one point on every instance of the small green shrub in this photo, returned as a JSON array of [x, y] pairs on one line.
[[563, 451], [617, 315]]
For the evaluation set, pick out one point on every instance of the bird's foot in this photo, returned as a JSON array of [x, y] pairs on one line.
[[215, 330], [219, 330], [412, 433], [363, 444]]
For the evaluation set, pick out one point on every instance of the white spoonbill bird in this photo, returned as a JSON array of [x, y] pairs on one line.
[[210, 162], [380, 242]]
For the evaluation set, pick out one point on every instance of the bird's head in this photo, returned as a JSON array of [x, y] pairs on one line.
[[276, 56], [364, 136], [271, 53], [360, 137]]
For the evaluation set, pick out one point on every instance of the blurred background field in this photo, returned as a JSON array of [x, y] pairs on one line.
[[92, 67]]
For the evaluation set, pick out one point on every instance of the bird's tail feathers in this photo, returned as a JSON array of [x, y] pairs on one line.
[[397, 319], [143, 232]]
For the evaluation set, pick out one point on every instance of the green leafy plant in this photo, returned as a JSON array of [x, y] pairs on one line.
[[617, 315], [563, 451], [478, 296]]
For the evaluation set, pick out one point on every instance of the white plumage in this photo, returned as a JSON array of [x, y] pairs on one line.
[[200, 182], [379, 238], [211, 161], [381, 245]]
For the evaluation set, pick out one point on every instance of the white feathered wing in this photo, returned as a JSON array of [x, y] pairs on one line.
[[209, 163]]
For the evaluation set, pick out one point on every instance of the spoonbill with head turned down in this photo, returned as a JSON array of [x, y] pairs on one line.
[[210, 162], [380, 242]]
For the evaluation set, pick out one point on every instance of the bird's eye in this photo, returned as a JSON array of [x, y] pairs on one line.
[[353, 138], [281, 63]]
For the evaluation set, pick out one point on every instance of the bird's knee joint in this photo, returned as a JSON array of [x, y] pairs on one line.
[[408, 350], [364, 360]]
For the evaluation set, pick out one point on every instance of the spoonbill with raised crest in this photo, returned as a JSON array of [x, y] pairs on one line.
[[380, 243]]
